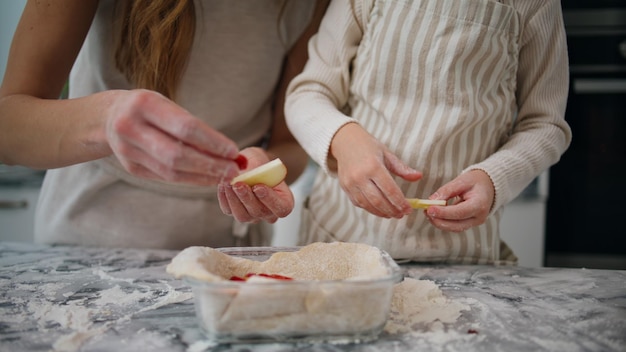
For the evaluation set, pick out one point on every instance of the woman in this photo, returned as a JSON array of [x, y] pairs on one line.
[[162, 97]]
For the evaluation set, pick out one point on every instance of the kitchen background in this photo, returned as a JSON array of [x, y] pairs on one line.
[[570, 216]]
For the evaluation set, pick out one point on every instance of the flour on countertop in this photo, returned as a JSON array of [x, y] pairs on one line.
[[421, 302], [76, 315]]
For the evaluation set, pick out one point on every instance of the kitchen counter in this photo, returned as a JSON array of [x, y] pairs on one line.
[[86, 299]]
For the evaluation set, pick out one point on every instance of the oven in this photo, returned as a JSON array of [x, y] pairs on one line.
[[586, 208]]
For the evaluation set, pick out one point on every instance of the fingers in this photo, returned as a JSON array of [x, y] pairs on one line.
[[454, 218], [370, 185], [175, 162], [253, 204], [454, 226], [174, 145], [181, 125], [397, 167], [178, 156], [470, 196], [223, 199], [389, 187], [372, 199], [380, 196]]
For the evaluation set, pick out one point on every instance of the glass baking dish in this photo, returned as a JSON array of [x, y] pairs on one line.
[[332, 311]]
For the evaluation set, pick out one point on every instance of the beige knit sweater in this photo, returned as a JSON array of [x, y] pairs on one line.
[[448, 86]]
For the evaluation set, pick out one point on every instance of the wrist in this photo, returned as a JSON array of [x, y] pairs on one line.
[[346, 137]]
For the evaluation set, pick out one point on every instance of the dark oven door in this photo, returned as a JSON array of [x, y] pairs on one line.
[[586, 212]]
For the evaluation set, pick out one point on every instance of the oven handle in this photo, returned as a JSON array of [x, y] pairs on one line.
[[599, 86]]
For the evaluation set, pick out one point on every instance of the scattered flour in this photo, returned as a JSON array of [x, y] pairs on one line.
[[201, 346], [77, 315], [73, 341], [73, 316], [118, 297], [419, 305]]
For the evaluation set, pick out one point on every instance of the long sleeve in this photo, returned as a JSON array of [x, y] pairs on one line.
[[316, 96], [540, 134], [447, 86]]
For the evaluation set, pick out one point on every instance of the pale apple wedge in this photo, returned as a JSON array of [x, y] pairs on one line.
[[417, 203], [270, 174]]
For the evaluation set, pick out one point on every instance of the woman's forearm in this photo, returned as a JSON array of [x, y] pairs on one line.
[[47, 133]]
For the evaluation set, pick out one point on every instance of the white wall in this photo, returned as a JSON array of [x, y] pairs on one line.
[[10, 12], [286, 229]]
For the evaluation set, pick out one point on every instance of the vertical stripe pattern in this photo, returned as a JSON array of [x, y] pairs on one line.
[[434, 80]]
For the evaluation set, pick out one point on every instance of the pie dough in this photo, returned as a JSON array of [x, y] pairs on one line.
[[317, 261], [338, 288]]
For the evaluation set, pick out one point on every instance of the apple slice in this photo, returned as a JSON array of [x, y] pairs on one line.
[[417, 203], [270, 174]]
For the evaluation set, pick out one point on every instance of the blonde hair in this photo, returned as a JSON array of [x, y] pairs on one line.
[[154, 42]]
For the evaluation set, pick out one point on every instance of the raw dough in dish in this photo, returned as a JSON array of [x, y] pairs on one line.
[[338, 289], [317, 261]]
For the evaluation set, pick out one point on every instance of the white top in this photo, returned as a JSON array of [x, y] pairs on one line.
[[448, 86], [234, 66]]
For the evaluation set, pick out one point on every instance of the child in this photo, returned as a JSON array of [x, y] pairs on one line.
[[470, 93]]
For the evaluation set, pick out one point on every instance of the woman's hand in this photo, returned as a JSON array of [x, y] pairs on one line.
[[473, 195], [259, 202], [157, 139], [365, 168]]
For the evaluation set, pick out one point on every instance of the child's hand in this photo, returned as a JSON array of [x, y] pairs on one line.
[[474, 195], [365, 168]]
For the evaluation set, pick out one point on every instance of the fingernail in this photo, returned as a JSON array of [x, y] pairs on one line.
[[241, 161], [260, 191], [238, 187]]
